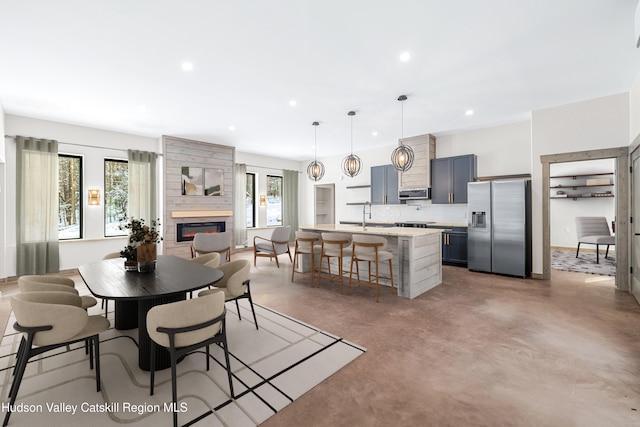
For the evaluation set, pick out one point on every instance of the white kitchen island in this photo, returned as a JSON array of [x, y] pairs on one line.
[[417, 255]]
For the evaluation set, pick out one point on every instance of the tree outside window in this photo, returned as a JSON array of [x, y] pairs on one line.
[[116, 195], [250, 197], [274, 200], [69, 197]]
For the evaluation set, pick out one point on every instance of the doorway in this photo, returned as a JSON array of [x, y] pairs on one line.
[[581, 189], [635, 226], [621, 158]]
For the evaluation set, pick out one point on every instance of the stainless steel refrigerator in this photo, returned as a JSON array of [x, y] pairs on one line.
[[499, 216]]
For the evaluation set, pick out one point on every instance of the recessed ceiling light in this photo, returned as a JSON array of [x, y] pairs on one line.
[[374, 133], [187, 66], [293, 102], [405, 56], [469, 113], [142, 108], [232, 127]]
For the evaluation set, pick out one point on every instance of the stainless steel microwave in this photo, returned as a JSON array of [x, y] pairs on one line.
[[418, 194]]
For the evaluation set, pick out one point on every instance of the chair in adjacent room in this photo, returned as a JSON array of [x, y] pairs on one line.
[[371, 249], [236, 284], [307, 243], [183, 327], [278, 244], [594, 230], [49, 320], [334, 245], [204, 243]]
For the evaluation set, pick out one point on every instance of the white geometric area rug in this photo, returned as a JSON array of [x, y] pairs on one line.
[[271, 367]]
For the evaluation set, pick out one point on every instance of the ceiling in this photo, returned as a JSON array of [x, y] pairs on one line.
[[117, 65]]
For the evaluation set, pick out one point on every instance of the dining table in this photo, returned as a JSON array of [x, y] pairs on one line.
[[136, 293]]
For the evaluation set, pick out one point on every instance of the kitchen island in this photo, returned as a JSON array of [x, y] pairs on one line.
[[417, 256]]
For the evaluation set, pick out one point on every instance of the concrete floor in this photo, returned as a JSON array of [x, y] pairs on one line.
[[478, 350]]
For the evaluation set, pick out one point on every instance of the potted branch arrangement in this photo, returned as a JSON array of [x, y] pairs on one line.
[[141, 251]]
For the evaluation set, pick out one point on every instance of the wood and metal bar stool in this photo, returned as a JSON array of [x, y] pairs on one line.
[[306, 243], [334, 245], [371, 249]]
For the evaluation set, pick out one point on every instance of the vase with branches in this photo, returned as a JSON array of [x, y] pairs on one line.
[[143, 239]]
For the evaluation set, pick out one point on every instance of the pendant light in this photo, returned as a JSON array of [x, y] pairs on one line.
[[351, 164], [315, 170], [402, 156]]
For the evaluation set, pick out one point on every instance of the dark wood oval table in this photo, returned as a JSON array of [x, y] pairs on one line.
[[135, 293]]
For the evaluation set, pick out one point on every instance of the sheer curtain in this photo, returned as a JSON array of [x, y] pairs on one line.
[[290, 201], [240, 214], [37, 206], [142, 185]]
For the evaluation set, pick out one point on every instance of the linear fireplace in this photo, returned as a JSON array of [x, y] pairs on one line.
[[186, 231]]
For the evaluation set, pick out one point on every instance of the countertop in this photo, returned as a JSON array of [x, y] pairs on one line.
[[380, 231], [434, 224]]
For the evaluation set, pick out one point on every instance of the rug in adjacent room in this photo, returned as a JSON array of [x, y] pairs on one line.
[[271, 367], [585, 263]]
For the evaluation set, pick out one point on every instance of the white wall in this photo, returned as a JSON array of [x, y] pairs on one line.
[[94, 245], [501, 150], [3, 198], [588, 125], [634, 109], [564, 211]]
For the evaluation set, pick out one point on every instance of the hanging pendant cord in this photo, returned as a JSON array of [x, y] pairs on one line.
[[352, 135]]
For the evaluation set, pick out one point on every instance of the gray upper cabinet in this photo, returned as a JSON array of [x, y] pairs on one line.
[[418, 177], [449, 178], [384, 185]]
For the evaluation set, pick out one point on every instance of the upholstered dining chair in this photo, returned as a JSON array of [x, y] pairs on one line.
[[235, 284], [370, 248], [278, 244], [105, 302], [594, 230], [307, 243], [204, 243], [212, 259], [47, 283], [49, 320], [185, 326]]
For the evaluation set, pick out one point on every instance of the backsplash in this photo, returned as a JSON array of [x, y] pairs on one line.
[[415, 211]]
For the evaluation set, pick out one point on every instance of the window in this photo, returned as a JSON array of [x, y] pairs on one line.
[[69, 197], [274, 200], [250, 197], [116, 195]]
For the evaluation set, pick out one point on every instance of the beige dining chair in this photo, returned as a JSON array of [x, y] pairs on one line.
[[278, 244], [211, 259], [594, 230], [48, 283], [235, 284], [183, 327], [49, 320], [307, 243], [371, 249], [105, 302], [204, 243]]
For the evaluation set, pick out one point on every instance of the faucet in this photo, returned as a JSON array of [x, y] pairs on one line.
[[364, 213]]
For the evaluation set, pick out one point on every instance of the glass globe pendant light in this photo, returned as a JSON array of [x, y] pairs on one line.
[[351, 164], [402, 156], [315, 170]]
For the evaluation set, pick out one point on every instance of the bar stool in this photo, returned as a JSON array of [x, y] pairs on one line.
[[334, 245], [371, 249], [306, 243]]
